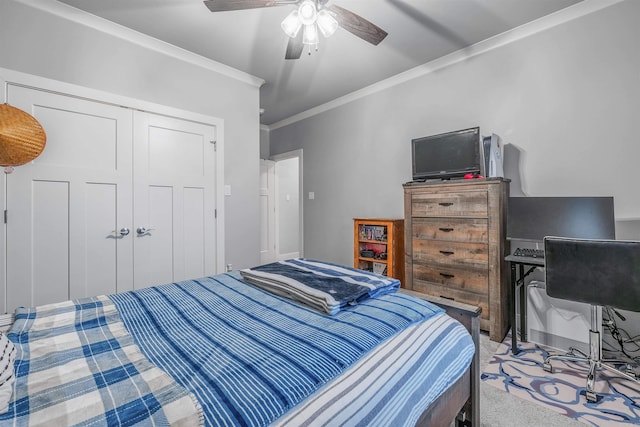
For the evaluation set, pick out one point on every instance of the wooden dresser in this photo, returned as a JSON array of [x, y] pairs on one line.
[[455, 245]]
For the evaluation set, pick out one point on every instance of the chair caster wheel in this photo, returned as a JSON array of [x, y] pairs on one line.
[[547, 367]]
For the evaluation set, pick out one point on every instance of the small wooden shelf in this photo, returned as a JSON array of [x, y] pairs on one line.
[[385, 238]]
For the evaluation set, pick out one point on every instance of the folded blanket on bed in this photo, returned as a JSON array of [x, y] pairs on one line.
[[320, 285], [76, 364]]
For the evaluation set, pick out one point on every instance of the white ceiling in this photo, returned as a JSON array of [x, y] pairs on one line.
[[252, 41]]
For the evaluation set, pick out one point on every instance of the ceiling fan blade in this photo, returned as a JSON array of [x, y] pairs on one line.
[[357, 25], [225, 5], [294, 47]]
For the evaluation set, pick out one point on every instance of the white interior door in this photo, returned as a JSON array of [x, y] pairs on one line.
[[65, 210], [267, 212], [288, 201], [174, 199]]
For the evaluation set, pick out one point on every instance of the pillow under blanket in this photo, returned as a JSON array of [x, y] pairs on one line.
[[7, 375]]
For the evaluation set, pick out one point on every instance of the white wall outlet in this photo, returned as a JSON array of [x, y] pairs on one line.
[[312, 195]]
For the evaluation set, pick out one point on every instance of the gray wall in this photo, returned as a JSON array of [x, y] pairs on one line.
[[566, 101], [39, 43], [264, 143]]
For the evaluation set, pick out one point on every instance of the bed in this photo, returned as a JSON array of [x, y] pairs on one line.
[[222, 351]]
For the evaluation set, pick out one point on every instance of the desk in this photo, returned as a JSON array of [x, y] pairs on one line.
[[518, 274]]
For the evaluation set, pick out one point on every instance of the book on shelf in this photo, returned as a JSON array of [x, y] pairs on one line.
[[379, 268], [373, 232]]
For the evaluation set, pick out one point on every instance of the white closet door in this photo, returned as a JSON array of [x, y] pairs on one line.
[[174, 200], [66, 209]]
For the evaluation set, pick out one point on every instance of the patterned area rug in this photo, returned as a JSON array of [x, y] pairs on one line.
[[563, 390]]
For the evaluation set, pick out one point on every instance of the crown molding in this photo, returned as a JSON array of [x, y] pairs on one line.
[[81, 17], [570, 13]]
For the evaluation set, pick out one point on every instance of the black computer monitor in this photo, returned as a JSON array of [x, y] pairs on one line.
[[533, 218]]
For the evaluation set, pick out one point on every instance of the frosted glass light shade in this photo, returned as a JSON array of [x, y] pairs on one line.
[[310, 35], [291, 24], [307, 12], [327, 23]]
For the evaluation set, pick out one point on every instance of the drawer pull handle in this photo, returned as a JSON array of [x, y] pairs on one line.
[[446, 229], [445, 203], [447, 253], [447, 275], [449, 298]]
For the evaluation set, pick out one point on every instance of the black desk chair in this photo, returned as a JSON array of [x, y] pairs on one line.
[[596, 272]]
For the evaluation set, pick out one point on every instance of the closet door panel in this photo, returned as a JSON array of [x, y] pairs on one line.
[[67, 207], [175, 152], [49, 245], [89, 141], [179, 157], [194, 202], [102, 259], [158, 244]]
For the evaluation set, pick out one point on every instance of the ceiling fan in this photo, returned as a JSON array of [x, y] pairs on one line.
[[303, 23]]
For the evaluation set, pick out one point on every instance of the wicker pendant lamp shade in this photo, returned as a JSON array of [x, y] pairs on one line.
[[22, 138]]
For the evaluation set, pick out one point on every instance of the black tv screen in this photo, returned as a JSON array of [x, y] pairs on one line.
[[446, 155]]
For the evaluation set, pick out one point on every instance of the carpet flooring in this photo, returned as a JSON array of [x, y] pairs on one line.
[[562, 391]]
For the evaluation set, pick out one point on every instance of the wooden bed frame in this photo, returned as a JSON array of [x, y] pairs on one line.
[[462, 400]]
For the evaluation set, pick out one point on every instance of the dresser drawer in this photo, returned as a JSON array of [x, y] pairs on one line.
[[443, 291], [463, 278], [451, 229], [466, 203], [454, 254]]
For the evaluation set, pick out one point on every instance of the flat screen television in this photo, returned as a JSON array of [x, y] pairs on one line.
[[446, 155]]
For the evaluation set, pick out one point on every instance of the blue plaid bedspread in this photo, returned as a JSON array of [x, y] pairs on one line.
[[321, 285], [77, 365], [249, 356]]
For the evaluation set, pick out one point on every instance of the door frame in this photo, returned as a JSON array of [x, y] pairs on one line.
[[10, 78], [285, 156]]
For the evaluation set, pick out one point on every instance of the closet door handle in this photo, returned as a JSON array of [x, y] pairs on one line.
[[142, 231], [124, 231]]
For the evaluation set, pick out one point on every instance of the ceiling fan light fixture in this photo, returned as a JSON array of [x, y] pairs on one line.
[[310, 35], [327, 23], [291, 24], [307, 12]]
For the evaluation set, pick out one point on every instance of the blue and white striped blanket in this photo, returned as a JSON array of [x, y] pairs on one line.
[[249, 356], [321, 285], [76, 364], [394, 384]]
